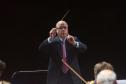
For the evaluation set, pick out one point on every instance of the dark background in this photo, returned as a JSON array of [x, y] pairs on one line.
[[26, 23]]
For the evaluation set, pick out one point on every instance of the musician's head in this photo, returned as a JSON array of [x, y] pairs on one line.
[[62, 28], [102, 66], [106, 77], [2, 67]]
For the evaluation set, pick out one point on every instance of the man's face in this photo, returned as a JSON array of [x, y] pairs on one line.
[[62, 29]]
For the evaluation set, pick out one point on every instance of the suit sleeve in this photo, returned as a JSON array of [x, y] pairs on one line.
[[81, 47], [44, 46]]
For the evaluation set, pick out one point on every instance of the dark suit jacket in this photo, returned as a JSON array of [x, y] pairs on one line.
[[53, 50]]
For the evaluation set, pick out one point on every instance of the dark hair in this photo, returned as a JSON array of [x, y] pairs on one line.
[[2, 65]]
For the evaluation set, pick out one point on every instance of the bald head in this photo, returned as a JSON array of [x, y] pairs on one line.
[[61, 23], [106, 77]]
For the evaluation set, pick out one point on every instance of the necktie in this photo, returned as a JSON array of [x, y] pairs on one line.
[[64, 67]]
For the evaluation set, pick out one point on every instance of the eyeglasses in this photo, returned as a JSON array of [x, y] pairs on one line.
[[62, 28]]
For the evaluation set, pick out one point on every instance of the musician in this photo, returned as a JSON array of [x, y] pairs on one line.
[[106, 77], [2, 68], [54, 49], [98, 67], [102, 66]]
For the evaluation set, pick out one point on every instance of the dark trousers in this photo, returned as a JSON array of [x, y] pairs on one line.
[[65, 78]]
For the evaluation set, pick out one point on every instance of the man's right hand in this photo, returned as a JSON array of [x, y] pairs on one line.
[[52, 32]]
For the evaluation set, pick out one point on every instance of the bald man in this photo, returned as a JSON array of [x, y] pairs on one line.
[[61, 45], [98, 67], [106, 77]]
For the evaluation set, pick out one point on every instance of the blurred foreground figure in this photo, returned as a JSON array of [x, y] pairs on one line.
[[2, 68], [98, 67], [106, 77]]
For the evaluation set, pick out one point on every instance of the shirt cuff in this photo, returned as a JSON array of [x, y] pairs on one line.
[[49, 39], [76, 44]]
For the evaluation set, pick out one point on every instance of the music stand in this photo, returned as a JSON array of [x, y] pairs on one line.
[[29, 77]]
